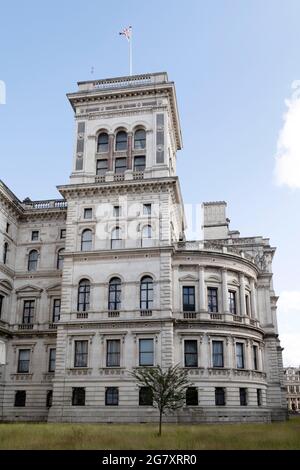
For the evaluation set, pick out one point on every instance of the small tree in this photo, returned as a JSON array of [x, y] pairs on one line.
[[167, 387]]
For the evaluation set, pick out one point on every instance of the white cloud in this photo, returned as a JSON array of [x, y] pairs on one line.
[[289, 326], [287, 168]]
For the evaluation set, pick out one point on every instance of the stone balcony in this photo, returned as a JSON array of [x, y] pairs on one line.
[[123, 82], [115, 315], [44, 204], [221, 373], [217, 317]]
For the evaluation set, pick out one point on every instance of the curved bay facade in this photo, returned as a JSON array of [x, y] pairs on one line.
[[103, 280]]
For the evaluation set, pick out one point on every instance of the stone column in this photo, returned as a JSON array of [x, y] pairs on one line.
[[253, 300], [202, 291], [225, 292], [248, 355], [129, 152], [111, 142], [242, 295], [229, 355]]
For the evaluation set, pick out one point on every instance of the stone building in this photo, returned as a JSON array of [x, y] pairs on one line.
[[292, 384], [103, 280]]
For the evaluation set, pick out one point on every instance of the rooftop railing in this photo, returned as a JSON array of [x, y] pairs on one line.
[[123, 82], [46, 204]]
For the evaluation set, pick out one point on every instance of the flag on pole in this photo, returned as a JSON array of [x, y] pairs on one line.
[[126, 32]]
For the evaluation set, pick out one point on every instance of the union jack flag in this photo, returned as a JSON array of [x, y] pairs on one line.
[[126, 32]]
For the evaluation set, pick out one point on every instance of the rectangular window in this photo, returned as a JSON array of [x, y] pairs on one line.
[[120, 165], [243, 396], [190, 353], [28, 311], [232, 302], [81, 354], [212, 299], [113, 353], [146, 352], [49, 398], [255, 358], [191, 396], [63, 233], [78, 396], [147, 209], [218, 354], [7, 227], [188, 298], [145, 396], [247, 302], [259, 397], [240, 363], [111, 396], [56, 310], [88, 213], [102, 167], [139, 163], [52, 359], [23, 362], [20, 398], [34, 235], [117, 211], [220, 396]]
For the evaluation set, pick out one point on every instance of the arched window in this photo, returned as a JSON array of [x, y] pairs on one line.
[[146, 235], [116, 239], [60, 258], [86, 240], [146, 293], [121, 140], [5, 251], [114, 294], [140, 139], [32, 260], [84, 289], [102, 143]]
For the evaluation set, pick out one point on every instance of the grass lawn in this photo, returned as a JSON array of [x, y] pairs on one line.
[[143, 436]]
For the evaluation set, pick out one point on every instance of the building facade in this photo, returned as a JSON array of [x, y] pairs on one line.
[[103, 280], [292, 384]]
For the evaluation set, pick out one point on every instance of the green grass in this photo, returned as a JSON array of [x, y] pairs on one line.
[[284, 435]]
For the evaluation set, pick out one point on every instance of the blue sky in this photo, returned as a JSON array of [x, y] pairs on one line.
[[233, 62]]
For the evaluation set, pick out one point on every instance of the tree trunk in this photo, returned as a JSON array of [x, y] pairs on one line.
[[160, 421]]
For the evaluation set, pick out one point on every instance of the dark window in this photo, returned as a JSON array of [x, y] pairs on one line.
[[247, 302], [191, 396], [52, 360], [117, 211], [34, 235], [190, 353], [102, 167], [102, 144], [259, 396], [88, 213], [255, 358], [1, 304], [139, 163], [140, 139], [188, 296], [146, 293], [220, 396], [218, 354], [112, 396], [145, 396], [240, 355], [49, 398], [120, 165], [56, 310], [28, 311], [23, 362], [7, 227], [20, 398], [84, 288], [78, 396], [32, 260], [63, 233], [116, 238], [243, 396], [86, 240], [147, 209], [146, 234], [113, 353], [212, 299], [5, 251], [121, 141], [114, 294], [81, 354], [60, 259], [146, 352], [232, 302]]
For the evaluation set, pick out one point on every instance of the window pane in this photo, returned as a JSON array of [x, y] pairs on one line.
[[120, 165], [140, 139], [190, 353], [218, 359], [112, 396], [145, 396], [139, 163], [78, 396], [121, 140], [220, 396], [113, 353], [24, 358], [191, 396], [81, 354], [146, 352], [102, 145], [212, 297], [102, 167], [86, 240], [239, 355], [88, 213], [188, 299]]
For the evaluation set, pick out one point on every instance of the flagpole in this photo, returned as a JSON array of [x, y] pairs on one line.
[[130, 54]]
